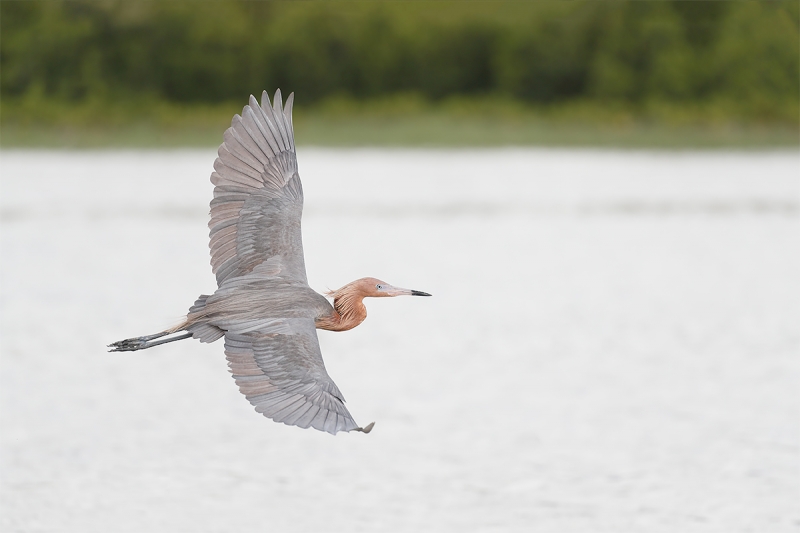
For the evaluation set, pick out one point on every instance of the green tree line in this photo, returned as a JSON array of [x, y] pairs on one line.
[[745, 53]]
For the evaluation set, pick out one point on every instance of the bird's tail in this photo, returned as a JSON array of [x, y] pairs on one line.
[[197, 322]]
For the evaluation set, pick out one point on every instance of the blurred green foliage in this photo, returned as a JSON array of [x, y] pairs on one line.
[[737, 60]]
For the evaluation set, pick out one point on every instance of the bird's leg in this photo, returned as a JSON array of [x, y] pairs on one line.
[[144, 342], [164, 341]]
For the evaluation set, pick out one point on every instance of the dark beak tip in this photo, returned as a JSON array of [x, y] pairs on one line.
[[419, 293]]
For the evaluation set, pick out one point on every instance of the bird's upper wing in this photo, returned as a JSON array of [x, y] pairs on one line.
[[258, 198], [279, 369]]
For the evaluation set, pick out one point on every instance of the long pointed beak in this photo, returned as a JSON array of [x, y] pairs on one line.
[[397, 291]]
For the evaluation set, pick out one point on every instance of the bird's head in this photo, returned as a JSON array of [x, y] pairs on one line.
[[371, 287]]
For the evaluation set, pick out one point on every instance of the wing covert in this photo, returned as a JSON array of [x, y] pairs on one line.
[[258, 197], [280, 371]]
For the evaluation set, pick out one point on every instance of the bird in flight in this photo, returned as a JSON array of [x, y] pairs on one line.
[[263, 306]]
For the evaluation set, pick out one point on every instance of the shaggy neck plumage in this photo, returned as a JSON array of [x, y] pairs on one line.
[[349, 310]]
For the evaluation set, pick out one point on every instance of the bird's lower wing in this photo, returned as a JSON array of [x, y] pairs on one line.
[[280, 371]]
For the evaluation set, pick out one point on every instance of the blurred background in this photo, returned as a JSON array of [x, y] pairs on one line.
[[146, 73], [602, 197]]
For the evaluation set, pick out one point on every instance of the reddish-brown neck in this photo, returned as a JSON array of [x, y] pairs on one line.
[[349, 310]]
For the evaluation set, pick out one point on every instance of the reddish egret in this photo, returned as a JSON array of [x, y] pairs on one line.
[[263, 305]]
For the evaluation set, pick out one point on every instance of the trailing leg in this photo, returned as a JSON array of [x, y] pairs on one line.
[[195, 326], [144, 342]]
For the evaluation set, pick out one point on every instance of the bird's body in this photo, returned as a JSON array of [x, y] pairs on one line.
[[263, 306]]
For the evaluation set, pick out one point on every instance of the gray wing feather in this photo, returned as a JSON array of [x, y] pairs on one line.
[[259, 131], [249, 153], [257, 145], [270, 120], [282, 375], [258, 197], [287, 114]]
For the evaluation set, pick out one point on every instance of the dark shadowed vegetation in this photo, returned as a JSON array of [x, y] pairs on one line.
[[616, 72]]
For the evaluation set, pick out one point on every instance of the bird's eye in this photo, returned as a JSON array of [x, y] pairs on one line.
[[379, 287]]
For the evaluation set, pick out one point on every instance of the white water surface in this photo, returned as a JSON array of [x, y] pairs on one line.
[[612, 346]]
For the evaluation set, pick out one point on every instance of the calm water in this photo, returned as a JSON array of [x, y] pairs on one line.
[[612, 346]]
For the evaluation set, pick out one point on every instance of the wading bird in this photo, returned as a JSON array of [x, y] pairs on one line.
[[263, 305]]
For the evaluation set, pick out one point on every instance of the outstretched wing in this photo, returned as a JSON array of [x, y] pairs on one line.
[[258, 198], [280, 371]]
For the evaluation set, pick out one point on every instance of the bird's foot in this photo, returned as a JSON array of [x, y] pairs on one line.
[[136, 343], [129, 345]]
